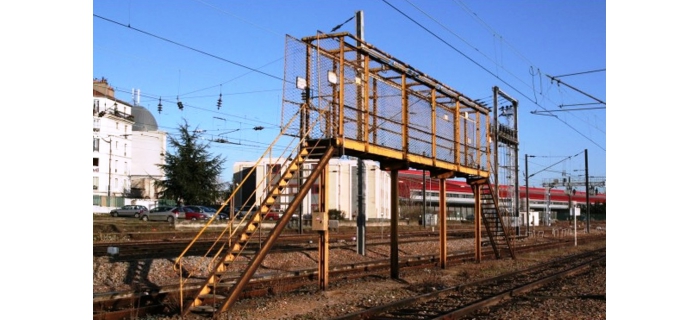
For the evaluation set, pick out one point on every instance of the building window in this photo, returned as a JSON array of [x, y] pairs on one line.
[[95, 183], [117, 125], [95, 106], [95, 162], [125, 149], [95, 144], [126, 167]]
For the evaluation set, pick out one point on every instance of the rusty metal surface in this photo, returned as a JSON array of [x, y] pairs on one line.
[[381, 107]]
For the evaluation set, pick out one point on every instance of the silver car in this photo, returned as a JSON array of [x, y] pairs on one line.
[[129, 211], [163, 214]]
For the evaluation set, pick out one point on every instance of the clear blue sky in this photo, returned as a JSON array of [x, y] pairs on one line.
[[195, 50]]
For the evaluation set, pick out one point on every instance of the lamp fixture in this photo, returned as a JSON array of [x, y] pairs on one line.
[[332, 77], [301, 83]]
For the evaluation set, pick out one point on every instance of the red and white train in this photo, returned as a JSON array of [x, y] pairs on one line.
[[459, 193]]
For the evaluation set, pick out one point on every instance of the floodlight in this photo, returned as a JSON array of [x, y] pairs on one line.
[[301, 83], [332, 77]]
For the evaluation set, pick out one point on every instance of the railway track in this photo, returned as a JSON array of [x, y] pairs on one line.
[[463, 300], [167, 245], [156, 300]]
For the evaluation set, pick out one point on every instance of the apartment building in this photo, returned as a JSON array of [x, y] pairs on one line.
[[126, 148]]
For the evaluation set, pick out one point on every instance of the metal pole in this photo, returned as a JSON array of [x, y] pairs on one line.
[[588, 203], [361, 216], [109, 179], [568, 187], [424, 203], [517, 169], [527, 199]]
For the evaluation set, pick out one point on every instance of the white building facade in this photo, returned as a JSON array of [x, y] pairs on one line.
[[111, 142], [343, 187], [127, 148]]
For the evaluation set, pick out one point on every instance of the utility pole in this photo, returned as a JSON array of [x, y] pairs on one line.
[[424, 203], [588, 193], [109, 176], [361, 217], [527, 197]]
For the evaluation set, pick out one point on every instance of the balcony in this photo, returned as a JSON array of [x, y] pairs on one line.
[[117, 113]]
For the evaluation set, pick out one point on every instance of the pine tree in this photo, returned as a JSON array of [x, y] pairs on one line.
[[191, 172]]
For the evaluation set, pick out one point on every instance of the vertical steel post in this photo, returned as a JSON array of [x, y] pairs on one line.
[[361, 215], [323, 236], [527, 199], [424, 203], [588, 201], [443, 223], [394, 255], [477, 223]]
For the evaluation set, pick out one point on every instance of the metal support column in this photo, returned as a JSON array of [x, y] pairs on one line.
[[443, 223], [323, 255], [477, 224], [323, 236], [361, 216], [395, 235], [394, 255]]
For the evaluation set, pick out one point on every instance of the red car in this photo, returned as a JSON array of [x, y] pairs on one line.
[[195, 213], [189, 214], [272, 215]]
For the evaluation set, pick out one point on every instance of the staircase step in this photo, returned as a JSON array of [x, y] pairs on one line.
[[203, 309], [211, 296]]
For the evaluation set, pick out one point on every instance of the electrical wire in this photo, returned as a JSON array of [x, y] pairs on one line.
[[190, 48], [490, 72]]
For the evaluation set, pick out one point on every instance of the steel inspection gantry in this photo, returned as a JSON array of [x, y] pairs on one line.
[[342, 96]]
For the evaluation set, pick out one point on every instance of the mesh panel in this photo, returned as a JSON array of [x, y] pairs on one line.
[[381, 100]]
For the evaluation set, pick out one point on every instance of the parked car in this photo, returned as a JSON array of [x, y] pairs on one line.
[[199, 213], [225, 212], [129, 211], [241, 212], [169, 214], [273, 215]]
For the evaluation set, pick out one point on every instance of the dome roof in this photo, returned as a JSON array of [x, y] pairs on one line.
[[143, 119]]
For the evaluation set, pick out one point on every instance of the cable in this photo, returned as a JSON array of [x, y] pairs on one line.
[[579, 73], [190, 48], [489, 72], [267, 124]]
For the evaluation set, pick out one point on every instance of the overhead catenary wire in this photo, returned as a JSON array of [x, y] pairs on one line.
[[190, 48], [491, 73]]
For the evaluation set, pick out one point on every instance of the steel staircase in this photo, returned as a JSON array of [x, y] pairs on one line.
[[499, 233], [216, 294], [222, 285]]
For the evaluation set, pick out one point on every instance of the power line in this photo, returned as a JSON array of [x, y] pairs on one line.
[[190, 48], [267, 124], [577, 90], [556, 163], [489, 72], [579, 73]]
